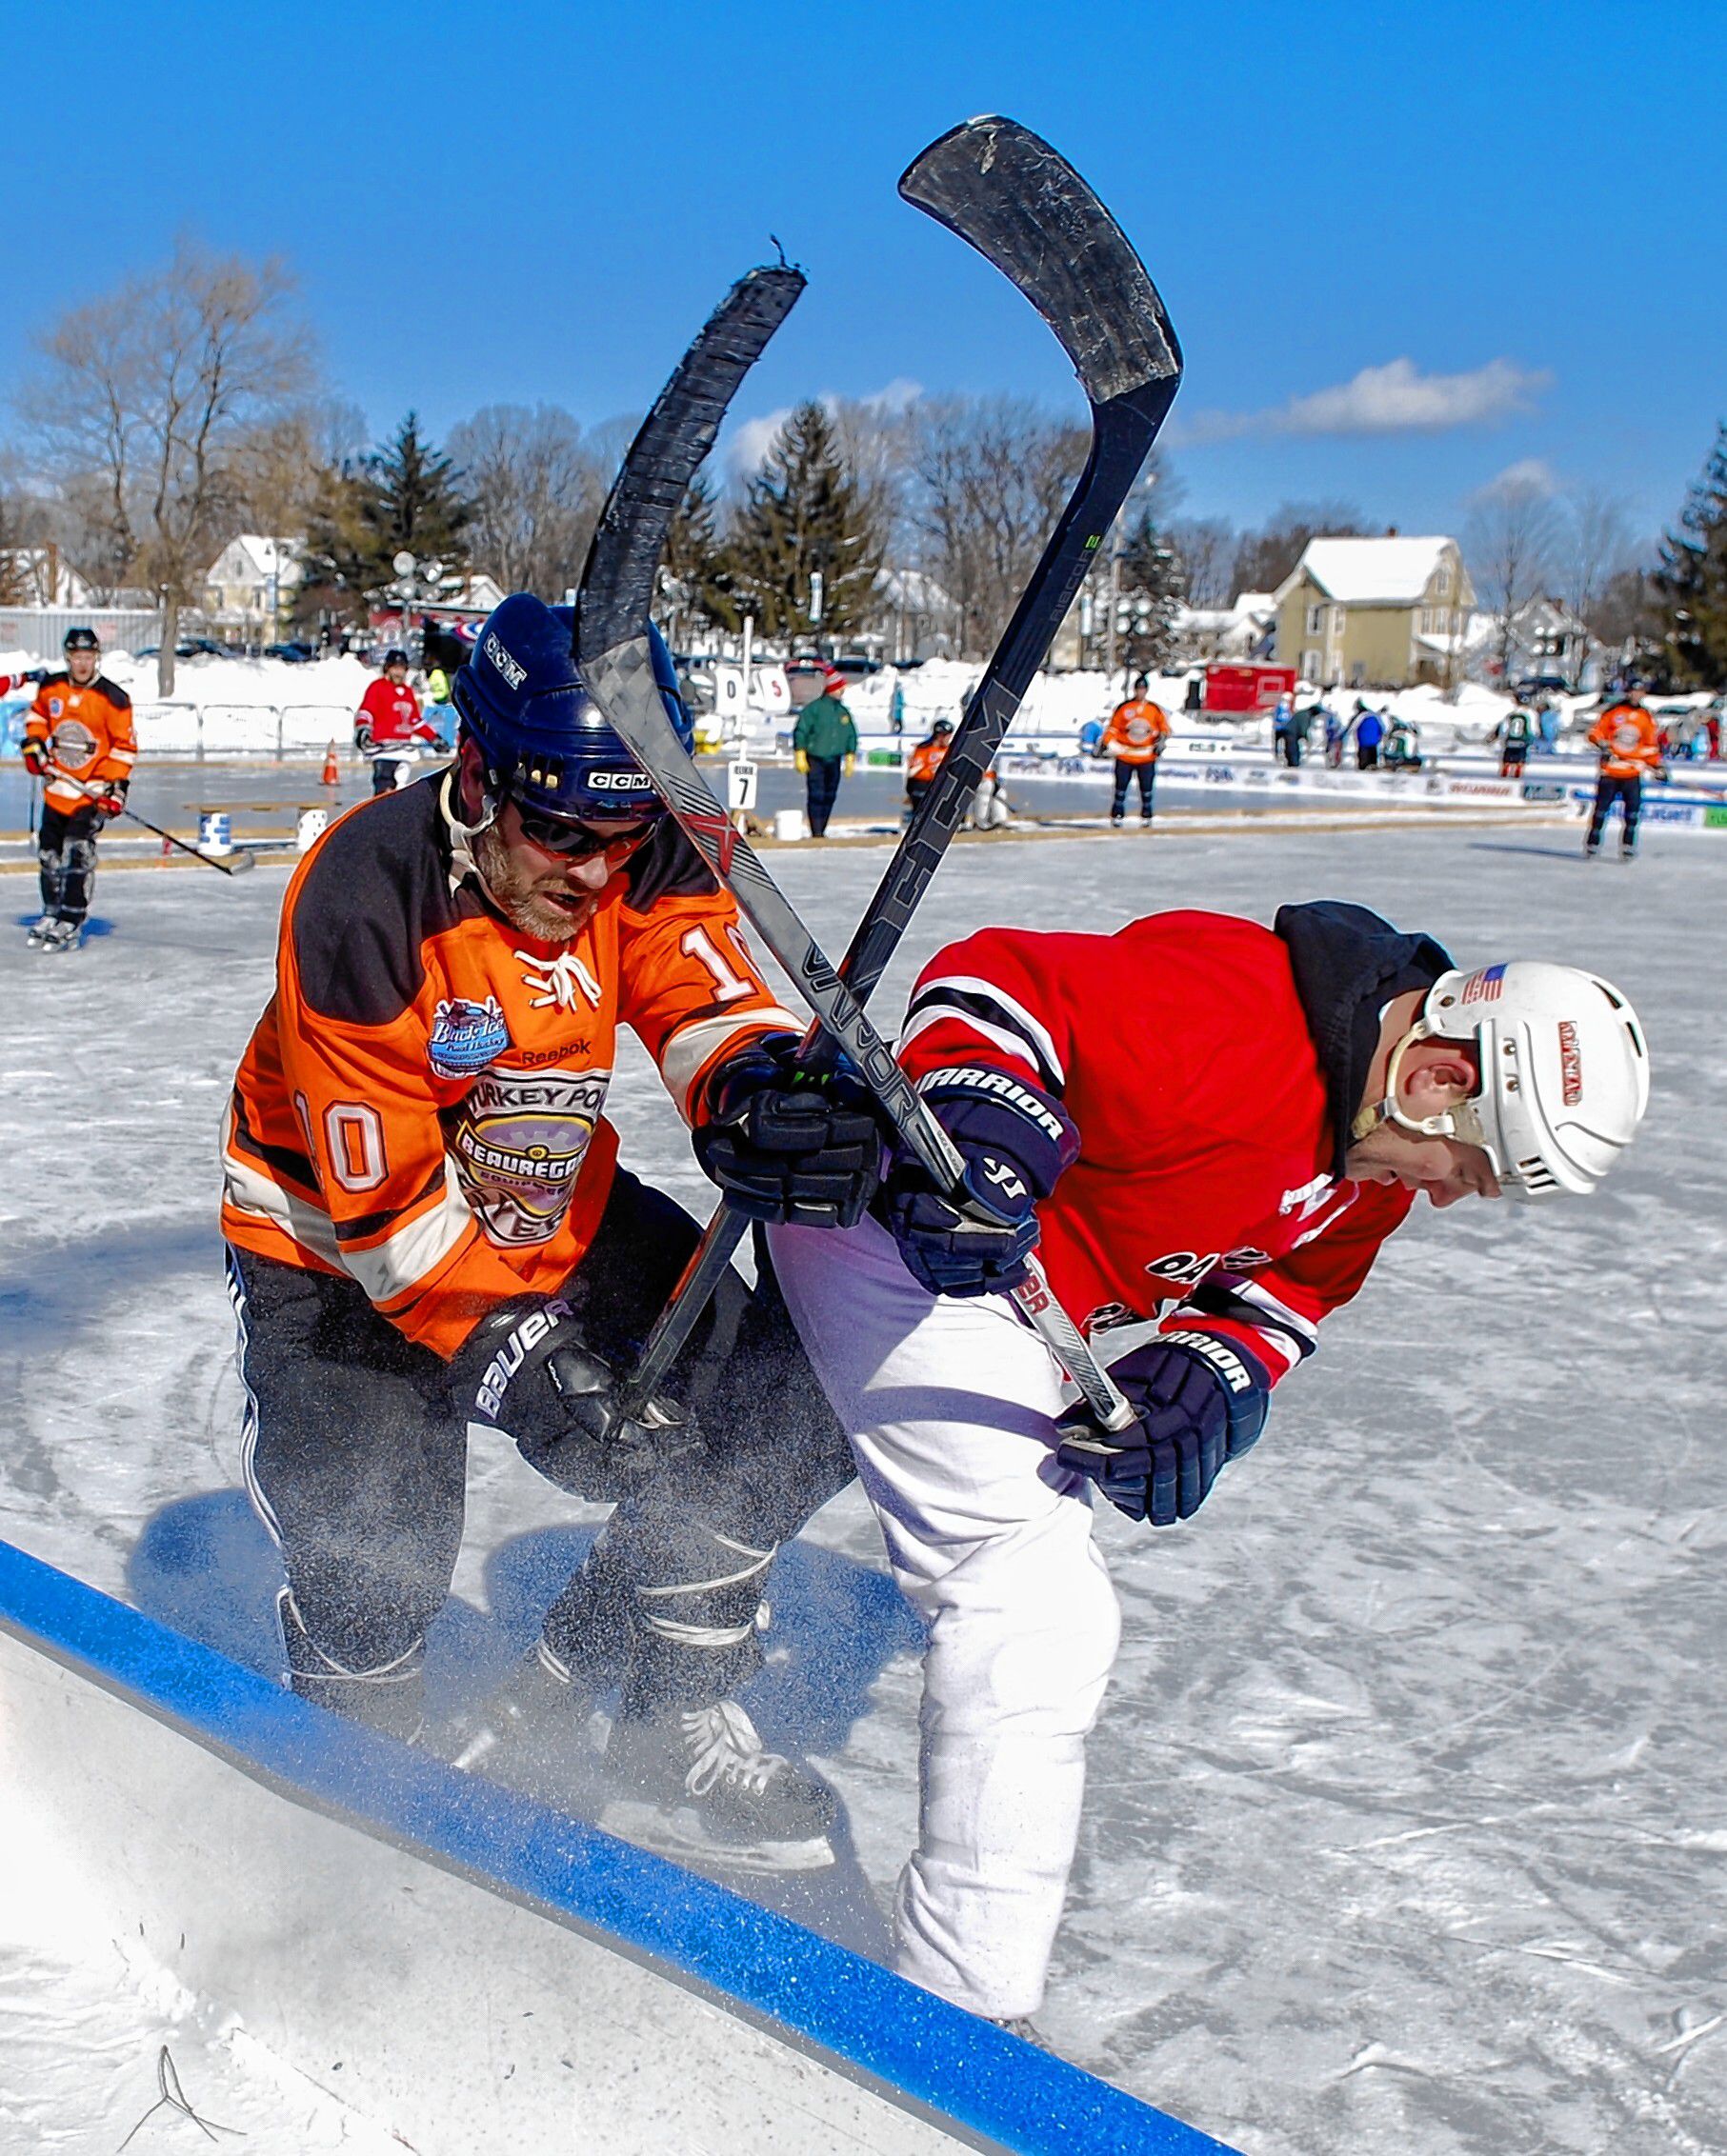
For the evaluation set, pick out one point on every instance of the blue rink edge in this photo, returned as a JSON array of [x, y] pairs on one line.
[[863, 2021]]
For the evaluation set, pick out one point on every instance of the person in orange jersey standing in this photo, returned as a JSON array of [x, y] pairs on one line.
[[924, 762], [1135, 737], [1631, 751], [78, 741]]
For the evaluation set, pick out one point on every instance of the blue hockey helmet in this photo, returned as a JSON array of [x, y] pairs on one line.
[[544, 741]]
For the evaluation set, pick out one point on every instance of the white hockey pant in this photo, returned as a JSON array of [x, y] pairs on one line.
[[950, 1407]]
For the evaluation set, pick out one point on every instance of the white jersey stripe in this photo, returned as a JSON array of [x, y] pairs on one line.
[[929, 993]]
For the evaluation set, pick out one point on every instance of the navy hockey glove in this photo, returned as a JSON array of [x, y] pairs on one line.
[[1015, 1138], [785, 1145], [1200, 1401], [525, 1370]]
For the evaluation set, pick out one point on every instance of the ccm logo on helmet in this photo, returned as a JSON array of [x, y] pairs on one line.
[[512, 669], [619, 782]]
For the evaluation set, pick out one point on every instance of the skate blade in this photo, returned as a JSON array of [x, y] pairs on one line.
[[679, 1834]]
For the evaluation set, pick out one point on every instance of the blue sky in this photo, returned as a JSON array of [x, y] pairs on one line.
[[1405, 248]]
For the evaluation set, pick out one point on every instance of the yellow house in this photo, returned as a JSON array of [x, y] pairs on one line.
[[1384, 613]]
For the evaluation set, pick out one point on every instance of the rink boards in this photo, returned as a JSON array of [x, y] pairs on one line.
[[458, 1964]]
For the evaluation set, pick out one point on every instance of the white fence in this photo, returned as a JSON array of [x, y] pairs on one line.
[[276, 730]]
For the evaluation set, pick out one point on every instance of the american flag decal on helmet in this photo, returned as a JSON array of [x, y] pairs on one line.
[[1483, 987]]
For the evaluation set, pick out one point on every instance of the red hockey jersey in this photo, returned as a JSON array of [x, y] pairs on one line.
[[1204, 1189]]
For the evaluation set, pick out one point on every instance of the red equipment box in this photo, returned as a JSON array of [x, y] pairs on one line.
[[1247, 688]]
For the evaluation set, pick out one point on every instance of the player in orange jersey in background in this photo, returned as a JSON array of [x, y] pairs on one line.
[[1630, 744], [1135, 737], [79, 741]]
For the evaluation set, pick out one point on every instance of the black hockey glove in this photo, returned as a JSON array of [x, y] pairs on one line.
[[1015, 1138], [526, 1371], [1200, 1400], [787, 1145]]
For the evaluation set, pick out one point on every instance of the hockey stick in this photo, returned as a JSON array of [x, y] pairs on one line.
[[615, 665], [1009, 194], [237, 867]]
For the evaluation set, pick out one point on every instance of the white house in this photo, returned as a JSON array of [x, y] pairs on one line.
[[1388, 611], [251, 584], [42, 576]]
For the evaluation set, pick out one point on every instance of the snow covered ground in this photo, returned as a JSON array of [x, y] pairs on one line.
[[1407, 1815]]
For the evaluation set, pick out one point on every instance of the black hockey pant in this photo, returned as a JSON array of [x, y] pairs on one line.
[[821, 790], [1125, 773], [1629, 794], [65, 853], [356, 1459]]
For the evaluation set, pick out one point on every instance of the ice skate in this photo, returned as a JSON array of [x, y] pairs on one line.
[[698, 1785], [58, 936], [40, 931]]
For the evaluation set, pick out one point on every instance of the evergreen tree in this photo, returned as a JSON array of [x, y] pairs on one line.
[[1153, 590], [693, 582], [412, 500], [404, 496], [1692, 579], [804, 514]]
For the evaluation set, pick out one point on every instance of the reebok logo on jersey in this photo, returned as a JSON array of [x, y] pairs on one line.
[[995, 1086], [489, 1397], [512, 669]]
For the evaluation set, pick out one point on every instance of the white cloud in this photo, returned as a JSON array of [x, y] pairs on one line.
[[752, 439], [1393, 399], [1531, 476]]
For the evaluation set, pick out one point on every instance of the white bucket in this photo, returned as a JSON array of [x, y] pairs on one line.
[[213, 831], [789, 824], [312, 824]]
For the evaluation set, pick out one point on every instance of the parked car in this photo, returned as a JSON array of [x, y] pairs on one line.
[[295, 653]]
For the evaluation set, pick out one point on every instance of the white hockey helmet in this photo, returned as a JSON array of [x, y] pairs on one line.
[[1564, 1072]]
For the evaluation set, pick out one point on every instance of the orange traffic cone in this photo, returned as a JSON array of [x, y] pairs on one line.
[[332, 776]]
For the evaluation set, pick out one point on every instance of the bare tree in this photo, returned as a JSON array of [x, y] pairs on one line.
[[990, 477], [1207, 547], [536, 486], [279, 463], [142, 399], [1265, 557], [1512, 541], [1595, 544]]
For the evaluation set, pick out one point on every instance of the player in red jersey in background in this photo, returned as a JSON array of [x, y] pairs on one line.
[[1209, 1127], [388, 727]]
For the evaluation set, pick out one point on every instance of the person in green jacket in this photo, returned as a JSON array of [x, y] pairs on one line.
[[824, 742]]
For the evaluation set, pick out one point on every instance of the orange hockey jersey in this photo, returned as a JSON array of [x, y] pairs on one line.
[[926, 759], [420, 1104], [1629, 739], [1137, 731], [88, 734]]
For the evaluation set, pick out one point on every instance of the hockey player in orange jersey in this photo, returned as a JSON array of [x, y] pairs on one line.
[[428, 1226], [78, 740], [1134, 738], [1630, 746]]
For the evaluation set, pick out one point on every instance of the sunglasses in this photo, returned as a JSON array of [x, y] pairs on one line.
[[577, 842]]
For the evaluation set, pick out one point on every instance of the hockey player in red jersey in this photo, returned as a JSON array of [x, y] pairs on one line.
[[1207, 1128], [389, 730], [428, 1226]]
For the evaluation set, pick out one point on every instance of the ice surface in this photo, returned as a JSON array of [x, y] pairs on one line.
[[1407, 1819]]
